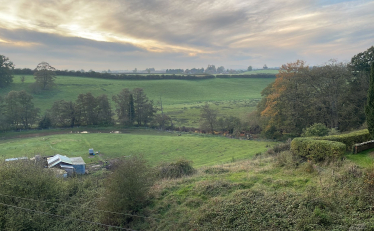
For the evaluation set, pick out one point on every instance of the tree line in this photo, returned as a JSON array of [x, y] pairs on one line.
[[333, 94], [188, 76], [132, 106]]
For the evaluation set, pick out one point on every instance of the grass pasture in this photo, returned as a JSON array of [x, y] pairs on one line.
[[180, 98], [260, 72], [154, 145], [363, 159]]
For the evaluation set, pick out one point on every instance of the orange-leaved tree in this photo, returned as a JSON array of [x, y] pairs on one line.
[[276, 99]]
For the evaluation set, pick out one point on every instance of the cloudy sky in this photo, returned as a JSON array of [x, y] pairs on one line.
[[124, 34]]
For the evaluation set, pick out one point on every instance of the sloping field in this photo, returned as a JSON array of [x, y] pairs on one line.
[[180, 98], [155, 146]]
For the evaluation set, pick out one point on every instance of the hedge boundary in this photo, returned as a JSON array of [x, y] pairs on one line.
[[328, 147], [349, 139], [317, 150]]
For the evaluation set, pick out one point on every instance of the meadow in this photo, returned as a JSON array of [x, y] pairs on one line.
[[155, 146], [260, 72], [181, 99]]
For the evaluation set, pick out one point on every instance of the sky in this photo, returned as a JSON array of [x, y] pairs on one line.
[[128, 34]]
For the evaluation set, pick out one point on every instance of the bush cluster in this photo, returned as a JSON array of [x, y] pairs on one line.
[[176, 169], [317, 150], [317, 129]]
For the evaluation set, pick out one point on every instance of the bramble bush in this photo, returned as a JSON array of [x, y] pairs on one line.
[[176, 169]]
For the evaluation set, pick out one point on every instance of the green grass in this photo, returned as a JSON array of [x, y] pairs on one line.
[[260, 72], [156, 147], [258, 195], [180, 98], [363, 159]]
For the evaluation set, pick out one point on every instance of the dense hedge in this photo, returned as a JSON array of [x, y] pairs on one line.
[[325, 147], [317, 150], [348, 139], [134, 76]]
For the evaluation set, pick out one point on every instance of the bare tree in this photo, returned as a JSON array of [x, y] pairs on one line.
[[208, 118]]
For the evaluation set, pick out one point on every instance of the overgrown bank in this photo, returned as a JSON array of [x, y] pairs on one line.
[[274, 191]]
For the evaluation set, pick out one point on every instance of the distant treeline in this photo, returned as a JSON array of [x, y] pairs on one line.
[[94, 74]]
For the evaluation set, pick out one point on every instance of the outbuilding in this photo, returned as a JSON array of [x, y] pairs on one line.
[[78, 164], [70, 165]]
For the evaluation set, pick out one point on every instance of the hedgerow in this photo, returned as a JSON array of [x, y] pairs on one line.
[[317, 150], [327, 147], [349, 139]]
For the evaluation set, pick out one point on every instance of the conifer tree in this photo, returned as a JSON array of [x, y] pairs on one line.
[[369, 109]]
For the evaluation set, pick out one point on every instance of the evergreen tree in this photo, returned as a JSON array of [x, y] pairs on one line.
[[369, 109], [131, 110]]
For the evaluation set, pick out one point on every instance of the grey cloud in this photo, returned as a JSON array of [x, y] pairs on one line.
[[234, 32]]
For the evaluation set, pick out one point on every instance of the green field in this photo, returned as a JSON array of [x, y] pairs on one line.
[[154, 145], [180, 98], [260, 72]]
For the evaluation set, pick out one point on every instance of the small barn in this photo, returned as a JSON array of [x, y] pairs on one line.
[[70, 165], [78, 164]]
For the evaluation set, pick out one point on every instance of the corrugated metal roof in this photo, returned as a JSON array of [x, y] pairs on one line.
[[19, 158], [66, 166], [77, 160], [58, 159]]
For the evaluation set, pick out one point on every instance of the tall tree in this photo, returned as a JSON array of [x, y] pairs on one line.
[[208, 118], [275, 109], [27, 112], [63, 114], [6, 69], [104, 110], [19, 109], [300, 97], [3, 123], [220, 69], [144, 109], [369, 109], [131, 110], [125, 107], [45, 75], [86, 104]]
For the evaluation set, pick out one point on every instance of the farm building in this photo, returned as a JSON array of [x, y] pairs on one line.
[[70, 165], [78, 164]]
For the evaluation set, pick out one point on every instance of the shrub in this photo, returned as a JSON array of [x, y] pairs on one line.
[[282, 146], [127, 189], [216, 170], [176, 169], [316, 129], [287, 159], [317, 150], [333, 131]]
